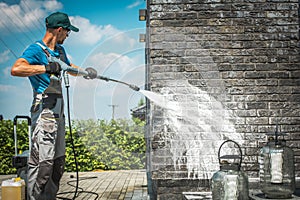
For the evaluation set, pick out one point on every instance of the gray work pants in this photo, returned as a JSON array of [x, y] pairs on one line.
[[47, 157]]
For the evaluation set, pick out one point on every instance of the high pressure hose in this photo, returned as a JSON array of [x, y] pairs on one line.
[[67, 84]]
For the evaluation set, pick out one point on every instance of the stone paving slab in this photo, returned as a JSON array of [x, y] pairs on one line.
[[105, 185]]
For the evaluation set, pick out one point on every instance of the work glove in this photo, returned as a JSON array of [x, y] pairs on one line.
[[92, 73], [53, 68]]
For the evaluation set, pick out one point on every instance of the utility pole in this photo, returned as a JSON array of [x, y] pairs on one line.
[[113, 110]]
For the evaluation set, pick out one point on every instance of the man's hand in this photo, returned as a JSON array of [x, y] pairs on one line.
[[53, 68], [92, 73]]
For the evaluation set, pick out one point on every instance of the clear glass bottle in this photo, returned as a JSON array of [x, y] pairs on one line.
[[277, 173], [230, 183]]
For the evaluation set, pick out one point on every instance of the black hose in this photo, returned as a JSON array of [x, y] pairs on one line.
[[72, 141], [79, 188], [67, 85]]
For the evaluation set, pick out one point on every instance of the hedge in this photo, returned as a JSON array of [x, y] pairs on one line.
[[99, 145]]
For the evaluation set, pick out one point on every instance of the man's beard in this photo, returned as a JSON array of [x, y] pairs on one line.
[[60, 41]]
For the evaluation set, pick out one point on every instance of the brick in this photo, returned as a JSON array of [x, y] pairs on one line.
[[256, 105], [257, 120], [255, 75]]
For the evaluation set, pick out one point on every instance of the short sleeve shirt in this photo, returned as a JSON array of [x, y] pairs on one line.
[[35, 55]]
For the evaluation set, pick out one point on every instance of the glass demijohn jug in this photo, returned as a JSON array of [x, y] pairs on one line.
[[277, 174]]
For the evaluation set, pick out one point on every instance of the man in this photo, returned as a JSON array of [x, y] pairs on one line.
[[47, 157]]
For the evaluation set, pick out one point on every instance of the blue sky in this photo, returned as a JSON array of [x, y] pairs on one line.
[[108, 40]]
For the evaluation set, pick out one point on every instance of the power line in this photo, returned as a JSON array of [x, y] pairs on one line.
[[37, 21], [12, 33], [8, 48], [8, 28], [28, 28]]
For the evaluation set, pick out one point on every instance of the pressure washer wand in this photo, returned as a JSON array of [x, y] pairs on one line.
[[134, 87], [73, 70]]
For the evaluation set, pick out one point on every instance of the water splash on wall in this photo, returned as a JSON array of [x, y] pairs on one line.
[[195, 125]]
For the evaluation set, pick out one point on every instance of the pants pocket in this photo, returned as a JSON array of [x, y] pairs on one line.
[[58, 169], [49, 102]]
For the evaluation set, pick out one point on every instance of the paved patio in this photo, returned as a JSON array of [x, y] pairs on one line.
[[106, 185]]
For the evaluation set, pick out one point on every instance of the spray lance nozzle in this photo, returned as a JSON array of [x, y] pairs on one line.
[[134, 87], [67, 68]]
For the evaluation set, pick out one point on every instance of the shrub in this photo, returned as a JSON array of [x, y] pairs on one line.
[[99, 145]]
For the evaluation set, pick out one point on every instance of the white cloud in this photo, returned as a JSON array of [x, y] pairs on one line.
[[6, 71], [89, 34], [51, 5], [5, 88], [26, 14], [107, 62], [115, 50], [125, 39], [135, 4], [4, 56]]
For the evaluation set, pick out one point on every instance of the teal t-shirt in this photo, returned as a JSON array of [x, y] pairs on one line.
[[35, 55]]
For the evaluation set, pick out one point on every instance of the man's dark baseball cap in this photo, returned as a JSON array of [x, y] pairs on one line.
[[59, 19]]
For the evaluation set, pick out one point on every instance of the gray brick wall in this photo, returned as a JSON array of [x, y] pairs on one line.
[[227, 69]]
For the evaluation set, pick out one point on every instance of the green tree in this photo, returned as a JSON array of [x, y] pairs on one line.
[[108, 145]]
